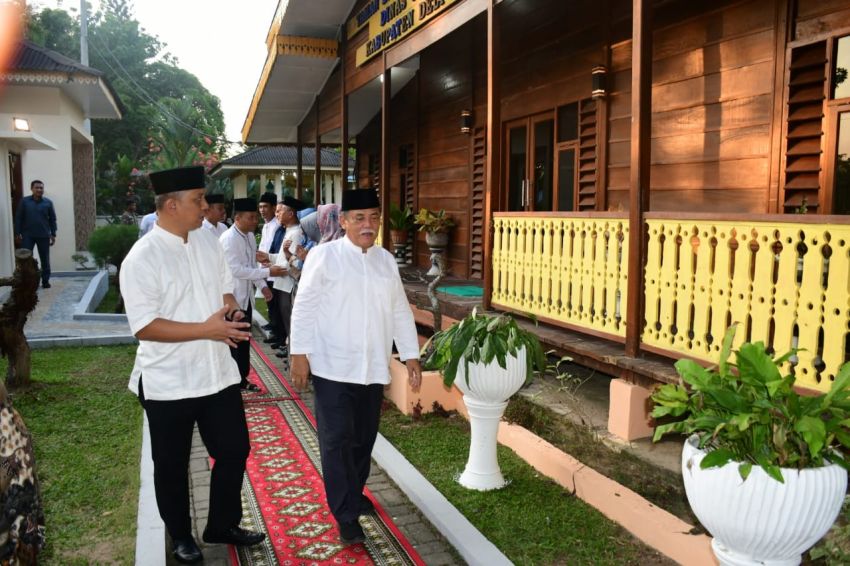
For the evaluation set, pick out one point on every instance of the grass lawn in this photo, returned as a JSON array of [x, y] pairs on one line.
[[664, 489], [532, 520], [110, 300], [86, 429], [261, 307]]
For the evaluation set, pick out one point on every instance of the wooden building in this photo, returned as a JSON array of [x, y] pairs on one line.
[[629, 169]]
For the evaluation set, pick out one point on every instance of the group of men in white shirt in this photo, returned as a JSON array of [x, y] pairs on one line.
[[189, 297]]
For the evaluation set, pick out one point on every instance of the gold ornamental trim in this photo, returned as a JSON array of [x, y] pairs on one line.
[[307, 47]]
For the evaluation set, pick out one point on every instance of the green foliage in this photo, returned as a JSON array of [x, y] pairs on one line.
[[482, 339], [110, 244], [87, 434], [400, 219], [150, 85], [429, 221], [532, 520], [748, 412]]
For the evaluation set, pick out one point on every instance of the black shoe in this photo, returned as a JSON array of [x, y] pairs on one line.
[[351, 533], [186, 551], [272, 340], [45, 285], [268, 327], [282, 353], [234, 535], [250, 387], [366, 505]]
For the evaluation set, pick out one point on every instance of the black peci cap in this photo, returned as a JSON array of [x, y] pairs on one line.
[[360, 199], [244, 205], [180, 179]]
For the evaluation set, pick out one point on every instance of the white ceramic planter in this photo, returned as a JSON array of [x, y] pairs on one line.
[[486, 395], [761, 521]]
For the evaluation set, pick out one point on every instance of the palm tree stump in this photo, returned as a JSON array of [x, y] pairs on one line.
[[13, 317]]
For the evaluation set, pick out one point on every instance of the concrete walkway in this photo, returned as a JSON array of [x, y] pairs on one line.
[[53, 322], [411, 519], [64, 317]]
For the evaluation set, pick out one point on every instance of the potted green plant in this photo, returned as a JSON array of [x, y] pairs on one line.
[[764, 467], [401, 222], [489, 358], [436, 226]]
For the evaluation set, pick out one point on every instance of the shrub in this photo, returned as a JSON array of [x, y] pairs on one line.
[[109, 245]]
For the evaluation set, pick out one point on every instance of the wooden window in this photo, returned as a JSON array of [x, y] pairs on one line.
[[806, 78], [837, 140], [551, 161]]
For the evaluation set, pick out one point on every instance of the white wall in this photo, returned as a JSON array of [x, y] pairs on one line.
[[7, 246], [52, 116]]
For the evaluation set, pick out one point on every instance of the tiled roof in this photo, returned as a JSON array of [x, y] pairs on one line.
[[284, 156], [32, 57]]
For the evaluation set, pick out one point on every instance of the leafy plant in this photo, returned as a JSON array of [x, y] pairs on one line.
[[748, 412], [429, 221], [482, 339], [109, 245], [400, 219]]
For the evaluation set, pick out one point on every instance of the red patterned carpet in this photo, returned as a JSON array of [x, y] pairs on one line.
[[284, 495]]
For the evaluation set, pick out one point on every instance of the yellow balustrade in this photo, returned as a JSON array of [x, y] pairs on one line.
[[567, 268], [785, 284]]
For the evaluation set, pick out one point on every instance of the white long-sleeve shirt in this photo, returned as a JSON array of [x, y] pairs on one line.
[[286, 282], [240, 251], [217, 229], [165, 277], [349, 308], [267, 235]]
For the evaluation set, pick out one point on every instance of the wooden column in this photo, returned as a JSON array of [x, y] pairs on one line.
[[783, 30], [602, 114], [343, 112], [494, 144], [317, 179], [299, 166], [386, 93], [639, 164]]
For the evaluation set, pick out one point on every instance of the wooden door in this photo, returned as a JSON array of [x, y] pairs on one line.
[[15, 180], [530, 163]]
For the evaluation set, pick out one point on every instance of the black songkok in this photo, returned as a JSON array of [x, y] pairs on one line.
[[360, 199], [244, 205], [180, 179], [294, 203], [269, 197]]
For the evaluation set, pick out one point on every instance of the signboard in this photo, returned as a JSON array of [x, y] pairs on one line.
[[391, 20]]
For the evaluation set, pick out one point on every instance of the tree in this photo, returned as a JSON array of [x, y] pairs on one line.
[[148, 81], [13, 317]]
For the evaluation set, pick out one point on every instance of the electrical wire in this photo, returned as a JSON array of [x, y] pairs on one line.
[[145, 97]]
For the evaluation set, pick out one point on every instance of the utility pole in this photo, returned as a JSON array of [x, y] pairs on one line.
[[84, 47]]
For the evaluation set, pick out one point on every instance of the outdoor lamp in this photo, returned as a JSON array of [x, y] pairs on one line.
[[598, 75], [21, 124], [465, 121]]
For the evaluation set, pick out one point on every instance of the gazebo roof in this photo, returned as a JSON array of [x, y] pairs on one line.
[[278, 157]]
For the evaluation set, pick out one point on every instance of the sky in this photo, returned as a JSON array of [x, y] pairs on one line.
[[219, 41]]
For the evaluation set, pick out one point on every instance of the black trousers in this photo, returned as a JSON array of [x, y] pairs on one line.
[[43, 245], [347, 417], [242, 352], [221, 422], [284, 306], [274, 312]]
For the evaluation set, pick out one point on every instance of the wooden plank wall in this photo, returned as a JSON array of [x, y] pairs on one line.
[[817, 17], [712, 100], [443, 161]]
